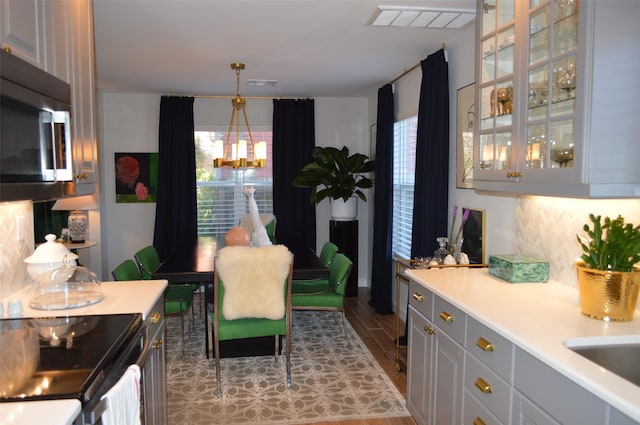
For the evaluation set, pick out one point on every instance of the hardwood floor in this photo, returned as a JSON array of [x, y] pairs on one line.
[[378, 333]]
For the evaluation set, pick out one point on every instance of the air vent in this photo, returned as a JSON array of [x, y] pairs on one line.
[[422, 17], [260, 83]]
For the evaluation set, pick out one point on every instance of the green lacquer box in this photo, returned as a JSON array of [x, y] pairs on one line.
[[518, 269]]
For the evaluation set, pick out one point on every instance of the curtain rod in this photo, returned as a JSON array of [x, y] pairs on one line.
[[204, 96], [406, 71]]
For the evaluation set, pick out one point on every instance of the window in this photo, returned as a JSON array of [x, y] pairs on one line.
[[220, 197], [404, 172]]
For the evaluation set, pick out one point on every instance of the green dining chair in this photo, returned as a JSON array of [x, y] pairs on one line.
[[322, 294], [126, 270], [252, 298], [328, 252], [178, 298]]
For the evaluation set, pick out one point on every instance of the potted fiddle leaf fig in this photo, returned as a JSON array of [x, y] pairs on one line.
[[336, 175], [608, 277]]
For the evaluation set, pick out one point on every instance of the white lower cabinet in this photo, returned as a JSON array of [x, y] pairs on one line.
[[436, 361]]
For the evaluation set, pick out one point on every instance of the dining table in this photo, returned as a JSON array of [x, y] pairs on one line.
[[195, 264]]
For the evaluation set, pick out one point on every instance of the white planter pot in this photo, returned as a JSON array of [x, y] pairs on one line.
[[344, 211]]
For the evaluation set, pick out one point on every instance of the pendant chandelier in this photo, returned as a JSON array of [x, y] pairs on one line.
[[235, 154]]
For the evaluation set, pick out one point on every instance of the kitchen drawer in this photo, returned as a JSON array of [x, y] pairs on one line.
[[474, 413], [156, 316], [545, 387], [421, 299], [490, 348], [488, 388], [449, 319]]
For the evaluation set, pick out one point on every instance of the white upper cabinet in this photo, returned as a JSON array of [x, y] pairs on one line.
[[57, 37], [557, 83]]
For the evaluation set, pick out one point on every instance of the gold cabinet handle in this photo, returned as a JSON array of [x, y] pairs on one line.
[[484, 344], [155, 318], [483, 386], [446, 317], [418, 297], [428, 329], [157, 344], [478, 421]]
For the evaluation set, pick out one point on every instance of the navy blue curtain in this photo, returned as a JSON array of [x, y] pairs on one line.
[[176, 209], [381, 281], [430, 196], [293, 142]]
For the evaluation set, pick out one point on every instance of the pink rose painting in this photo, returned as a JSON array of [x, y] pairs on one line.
[[136, 176]]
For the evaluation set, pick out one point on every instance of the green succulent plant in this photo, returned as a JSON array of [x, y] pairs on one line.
[[335, 174], [613, 246]]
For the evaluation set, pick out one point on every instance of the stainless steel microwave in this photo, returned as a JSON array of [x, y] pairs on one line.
[[35, 133]]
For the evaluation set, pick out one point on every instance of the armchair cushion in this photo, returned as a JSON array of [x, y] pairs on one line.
[[247, 295]]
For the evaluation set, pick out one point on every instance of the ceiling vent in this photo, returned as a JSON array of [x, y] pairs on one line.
[[422, 17], [261, 83]]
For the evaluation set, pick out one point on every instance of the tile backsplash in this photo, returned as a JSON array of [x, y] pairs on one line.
[[16, 222], [547, 228]]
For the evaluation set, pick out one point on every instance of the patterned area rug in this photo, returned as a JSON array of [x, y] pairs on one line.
[[333, 378]]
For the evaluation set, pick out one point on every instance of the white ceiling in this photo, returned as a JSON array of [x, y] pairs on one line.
[[313, 48]]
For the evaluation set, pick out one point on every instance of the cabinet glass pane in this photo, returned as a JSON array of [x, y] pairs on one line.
[[565, 8], [537, 147], [539, 35], [564, 86], [562, 141], [538, 93], [502, 104], [565, 35], [486, 151], [506, 11], [488, 60], [487, 100], [495, 151], [488, 17], [505, 53]]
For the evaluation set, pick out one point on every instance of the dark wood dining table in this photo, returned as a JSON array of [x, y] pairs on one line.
[[195, 264]]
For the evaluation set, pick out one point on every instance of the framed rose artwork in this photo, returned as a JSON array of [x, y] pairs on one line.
[[136, 176]]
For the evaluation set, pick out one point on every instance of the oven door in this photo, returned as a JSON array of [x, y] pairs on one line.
[[135, 352]]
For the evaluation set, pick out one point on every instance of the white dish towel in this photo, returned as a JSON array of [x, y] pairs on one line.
[[123, 399]]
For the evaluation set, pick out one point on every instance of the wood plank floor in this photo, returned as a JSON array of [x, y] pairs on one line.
[[378, 333]]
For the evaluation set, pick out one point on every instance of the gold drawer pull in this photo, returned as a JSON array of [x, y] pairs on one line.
[[429, 330], [484, 344], [418, 297], [157, 343], [478, 421], [446, 317], [155, 318], [483, 386]]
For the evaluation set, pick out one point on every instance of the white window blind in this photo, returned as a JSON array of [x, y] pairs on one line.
[[220, 197], [404, 167]]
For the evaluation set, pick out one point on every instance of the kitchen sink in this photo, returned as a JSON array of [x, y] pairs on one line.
[[617, 354]]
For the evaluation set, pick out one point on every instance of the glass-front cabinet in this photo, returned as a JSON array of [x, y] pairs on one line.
[[539, 72]]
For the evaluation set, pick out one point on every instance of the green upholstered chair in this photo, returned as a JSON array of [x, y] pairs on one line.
[[252, 298], [127, 270], [178, 298], [328, 251], [324, 294]]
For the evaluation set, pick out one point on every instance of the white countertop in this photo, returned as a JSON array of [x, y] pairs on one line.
[[119, 298], [538, 317], [136, 296], [57, 412]]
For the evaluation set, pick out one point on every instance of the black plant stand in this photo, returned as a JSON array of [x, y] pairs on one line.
[[345, 235]]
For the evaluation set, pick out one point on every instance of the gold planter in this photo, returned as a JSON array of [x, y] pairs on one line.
[[609, 296]]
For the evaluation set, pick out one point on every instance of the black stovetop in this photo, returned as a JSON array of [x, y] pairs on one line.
[[60, 357]]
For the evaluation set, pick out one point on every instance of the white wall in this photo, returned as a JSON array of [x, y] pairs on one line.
[[129, 123]]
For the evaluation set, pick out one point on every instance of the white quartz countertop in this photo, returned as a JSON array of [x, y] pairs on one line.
[[136, 296], [119, 298], [538, 317]]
